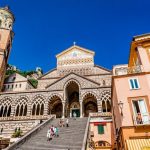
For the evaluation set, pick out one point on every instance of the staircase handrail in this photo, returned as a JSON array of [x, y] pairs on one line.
[[86, 135], [29, 134]]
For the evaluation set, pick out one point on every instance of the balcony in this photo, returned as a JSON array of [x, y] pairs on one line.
[[124, 70], [141, 119]]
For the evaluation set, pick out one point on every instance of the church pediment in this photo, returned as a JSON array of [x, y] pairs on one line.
[[83, 82], [75, 55]]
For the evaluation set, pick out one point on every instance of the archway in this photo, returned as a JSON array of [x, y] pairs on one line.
[[72, 99], [55, 106], [89, 104]]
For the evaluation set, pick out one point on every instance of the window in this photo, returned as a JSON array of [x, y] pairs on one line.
[[134, 84], [20, 85], [100, 129], [140, 111]]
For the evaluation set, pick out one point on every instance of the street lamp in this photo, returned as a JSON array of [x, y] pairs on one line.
[[120, 104]]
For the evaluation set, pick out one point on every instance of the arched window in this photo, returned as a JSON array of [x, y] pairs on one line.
[[25, 111], [106, 101], [21, 108], [42, 109], [5, 112], [17, 111], [38, 106], [38, 109], [1, 112], [103, 106], [5, 107], [9, 111], [33, 110]]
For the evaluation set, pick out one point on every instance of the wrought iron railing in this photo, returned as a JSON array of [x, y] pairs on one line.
[[141, 119]]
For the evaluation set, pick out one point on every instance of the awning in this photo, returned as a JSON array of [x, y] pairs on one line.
[[98, 123], [138, 144]]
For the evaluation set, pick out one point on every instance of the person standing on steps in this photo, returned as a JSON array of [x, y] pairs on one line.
[[49, 134], [52, 130], [57, 135], [74, 115], [67, 122]]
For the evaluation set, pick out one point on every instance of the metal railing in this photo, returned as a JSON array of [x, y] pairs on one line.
[[128, 70], [141, 119]]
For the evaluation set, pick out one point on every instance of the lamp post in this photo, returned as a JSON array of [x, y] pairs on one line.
[[120, 104]]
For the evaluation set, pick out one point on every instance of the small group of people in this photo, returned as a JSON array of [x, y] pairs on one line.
[[62, 124], [52, 132]]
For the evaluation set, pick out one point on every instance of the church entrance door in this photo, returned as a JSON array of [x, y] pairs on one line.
[[76, 111], [72, 96]]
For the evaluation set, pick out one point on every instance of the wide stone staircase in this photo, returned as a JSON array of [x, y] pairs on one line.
[[70, 138]]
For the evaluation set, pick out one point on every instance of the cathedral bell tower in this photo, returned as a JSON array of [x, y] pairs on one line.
[[6, 37]]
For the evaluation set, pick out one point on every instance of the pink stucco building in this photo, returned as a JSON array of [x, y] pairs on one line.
[[131, 96]]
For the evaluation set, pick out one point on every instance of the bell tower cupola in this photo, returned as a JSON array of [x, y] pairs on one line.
[[6, 18], [6, 36]]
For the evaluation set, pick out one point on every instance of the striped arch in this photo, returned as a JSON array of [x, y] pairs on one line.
[[105, 99], [90, 100], [38, 105], [5, 107], [70, 81], [21, 106], [89, 93], [55, 104], [53, 95]]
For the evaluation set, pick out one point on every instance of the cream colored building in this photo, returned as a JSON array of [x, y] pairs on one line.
[[17, 82]]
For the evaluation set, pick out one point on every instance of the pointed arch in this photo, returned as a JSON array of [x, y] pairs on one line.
[[38, 105], [5, 106], [105, 98], [21, 106]]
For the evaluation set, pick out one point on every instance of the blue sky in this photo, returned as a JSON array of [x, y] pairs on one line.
[[43, 28]]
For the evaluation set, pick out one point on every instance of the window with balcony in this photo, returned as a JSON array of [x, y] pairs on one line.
[[141, 115], [134, 84]]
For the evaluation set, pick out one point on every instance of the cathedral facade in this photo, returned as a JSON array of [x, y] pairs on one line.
[[76, 85]]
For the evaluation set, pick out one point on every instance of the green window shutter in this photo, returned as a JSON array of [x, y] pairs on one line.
[[100, 129]]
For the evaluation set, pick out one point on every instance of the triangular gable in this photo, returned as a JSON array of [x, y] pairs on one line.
[[75, 47], [48, 74], [84, 82], [15, 77]]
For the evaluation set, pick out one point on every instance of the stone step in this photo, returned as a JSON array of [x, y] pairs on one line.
[[69, 137]]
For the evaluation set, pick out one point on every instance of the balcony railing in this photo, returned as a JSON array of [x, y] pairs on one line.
[[142, 119], [128, 70], [101, 114]]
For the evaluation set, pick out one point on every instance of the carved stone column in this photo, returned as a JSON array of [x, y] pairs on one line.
[[99, 105], [81, 109], [45, 109], [63, 109]]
